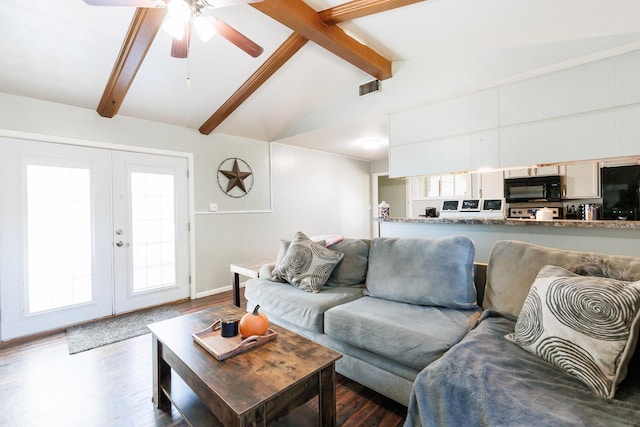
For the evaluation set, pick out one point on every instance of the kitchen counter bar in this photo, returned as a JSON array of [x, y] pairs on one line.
[[564, 223]]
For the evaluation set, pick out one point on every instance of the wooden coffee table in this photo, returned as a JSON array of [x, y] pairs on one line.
[[255, 388]]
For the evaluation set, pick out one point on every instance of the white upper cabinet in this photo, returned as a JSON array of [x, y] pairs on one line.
[[525, 144], [589, 111], [627, 72], [581, 180], [532, 171], [522, 102], [488, 185], [585, 136], [627, 131]]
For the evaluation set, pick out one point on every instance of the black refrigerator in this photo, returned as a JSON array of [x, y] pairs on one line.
[[620, 192]]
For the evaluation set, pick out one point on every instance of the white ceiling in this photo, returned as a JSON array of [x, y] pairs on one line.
[[64, 50]]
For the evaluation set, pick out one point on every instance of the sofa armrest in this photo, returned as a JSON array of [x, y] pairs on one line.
[[265, 270], [480, 279]]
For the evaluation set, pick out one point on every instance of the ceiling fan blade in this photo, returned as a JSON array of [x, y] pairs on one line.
[[130, 3], [236, 37], [226, 3], [180, 47]]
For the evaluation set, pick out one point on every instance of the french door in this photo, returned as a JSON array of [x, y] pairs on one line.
[[151, 229], [88, 232]]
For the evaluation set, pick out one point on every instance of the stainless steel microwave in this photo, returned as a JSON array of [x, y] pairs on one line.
[[533, 189]]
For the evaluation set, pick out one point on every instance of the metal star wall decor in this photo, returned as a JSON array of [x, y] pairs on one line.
[[235, 177]]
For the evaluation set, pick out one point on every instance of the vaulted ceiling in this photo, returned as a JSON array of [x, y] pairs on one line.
[[302, 90]]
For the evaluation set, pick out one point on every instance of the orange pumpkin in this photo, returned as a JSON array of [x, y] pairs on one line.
[[255, 323]]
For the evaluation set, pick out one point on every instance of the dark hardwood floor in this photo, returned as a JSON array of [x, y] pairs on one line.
[[42, 385]]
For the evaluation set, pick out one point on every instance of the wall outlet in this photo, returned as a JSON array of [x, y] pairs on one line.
[[213, 207]]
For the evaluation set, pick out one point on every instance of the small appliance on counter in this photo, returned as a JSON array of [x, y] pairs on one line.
[[472, 208], [492, 208], [589, 212], [430, 212], [450, 209], [571, 212], [470, 205], [544, 214], [530, 212]]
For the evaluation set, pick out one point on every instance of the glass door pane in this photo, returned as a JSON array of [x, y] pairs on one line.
[[59, 237], [153, 230]]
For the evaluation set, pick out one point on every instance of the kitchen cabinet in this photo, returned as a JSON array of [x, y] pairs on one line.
[[488, 185], [534, 171], [581, 180]]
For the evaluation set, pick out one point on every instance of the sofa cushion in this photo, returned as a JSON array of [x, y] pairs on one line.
[[513, 267], [352, 270], [436, 272], [586, 326], [307, 264], [409, 334], [301, 308]]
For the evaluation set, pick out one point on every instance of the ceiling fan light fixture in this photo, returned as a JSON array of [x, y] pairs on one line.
[[174, 26], [204, 28], [178, 14], [179, 9]]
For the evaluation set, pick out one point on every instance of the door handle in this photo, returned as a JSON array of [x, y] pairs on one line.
[[120, 243]]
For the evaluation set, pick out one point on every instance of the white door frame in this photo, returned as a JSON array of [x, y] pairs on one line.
[[375, 225], [135, 149]]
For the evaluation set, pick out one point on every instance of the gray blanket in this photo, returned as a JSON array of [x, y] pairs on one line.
[[487, 381]]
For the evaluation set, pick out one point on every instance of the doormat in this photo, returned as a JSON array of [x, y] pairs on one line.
[[102, 332]]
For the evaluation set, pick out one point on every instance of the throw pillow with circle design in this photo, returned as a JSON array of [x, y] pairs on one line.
[[307, 264], [586, 326]]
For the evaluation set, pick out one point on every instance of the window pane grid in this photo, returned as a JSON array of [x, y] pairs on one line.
[[153, 230]]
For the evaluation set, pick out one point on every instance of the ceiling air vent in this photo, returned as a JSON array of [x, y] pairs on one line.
[[370, 87]]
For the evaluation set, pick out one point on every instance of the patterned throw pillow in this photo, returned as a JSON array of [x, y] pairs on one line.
[[586, 326], [306, 264]]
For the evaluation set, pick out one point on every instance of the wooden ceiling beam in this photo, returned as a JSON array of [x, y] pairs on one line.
[[295, 14], [144, 25], [359, 8], [304, 20], [266, 70]]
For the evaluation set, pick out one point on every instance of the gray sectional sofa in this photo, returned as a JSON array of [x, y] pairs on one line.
[[553, 345], [390, 306], [489, 379]]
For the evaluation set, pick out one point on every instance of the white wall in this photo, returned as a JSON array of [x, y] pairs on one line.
[[313, 192]]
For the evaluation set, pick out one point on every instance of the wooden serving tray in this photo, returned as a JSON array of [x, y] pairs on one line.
[[223, 348]]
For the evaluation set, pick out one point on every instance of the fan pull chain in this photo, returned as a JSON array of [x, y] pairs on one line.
[[188, 75]]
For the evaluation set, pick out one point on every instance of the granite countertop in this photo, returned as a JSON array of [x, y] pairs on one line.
[[629, 225]]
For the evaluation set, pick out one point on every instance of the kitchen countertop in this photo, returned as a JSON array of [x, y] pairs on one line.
[[629, 225]]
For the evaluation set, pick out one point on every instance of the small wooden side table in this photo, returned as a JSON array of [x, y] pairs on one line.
[[250, 269]]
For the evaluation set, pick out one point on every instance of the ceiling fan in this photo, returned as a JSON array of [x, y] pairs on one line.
[[185, 14]]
